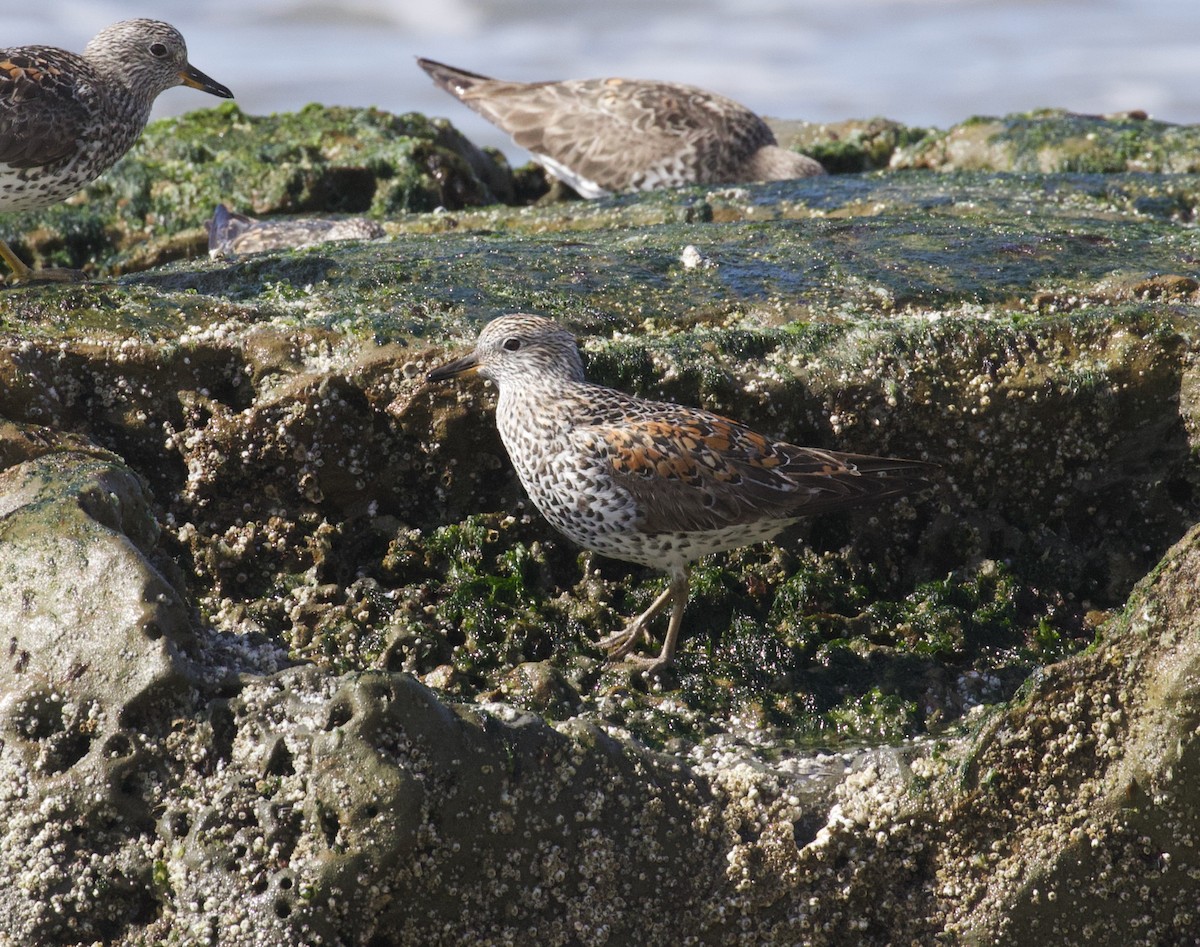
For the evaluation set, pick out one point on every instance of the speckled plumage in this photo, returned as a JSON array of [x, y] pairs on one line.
[[231, 235], [66, 118], [607, 135], [650, 482]]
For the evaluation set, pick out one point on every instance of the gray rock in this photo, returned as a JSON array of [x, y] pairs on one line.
[[94, 641], [364, 810]]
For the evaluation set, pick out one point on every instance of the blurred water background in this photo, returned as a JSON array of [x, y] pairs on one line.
[[922, 62]]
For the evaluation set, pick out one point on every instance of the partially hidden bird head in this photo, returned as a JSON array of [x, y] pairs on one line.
[[148, 57], [519, 349]]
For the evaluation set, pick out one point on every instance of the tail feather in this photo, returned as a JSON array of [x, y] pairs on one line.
[[839, 481], [225, 227]]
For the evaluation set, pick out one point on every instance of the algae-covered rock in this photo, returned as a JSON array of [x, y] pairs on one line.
[[369, 812], [1043, 141], [850, 146], [1054, 140], [152, 205]]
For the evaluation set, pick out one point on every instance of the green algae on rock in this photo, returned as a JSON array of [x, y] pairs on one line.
[[152, 205], [1093, 770], [315, 485], [1055, 140], [849, 146], [359, 808]]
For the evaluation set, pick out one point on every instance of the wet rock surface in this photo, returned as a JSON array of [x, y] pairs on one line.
[[289, 658]]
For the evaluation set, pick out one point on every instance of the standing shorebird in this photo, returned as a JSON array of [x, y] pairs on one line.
[[652, 482], [607, 135], [67, 118]]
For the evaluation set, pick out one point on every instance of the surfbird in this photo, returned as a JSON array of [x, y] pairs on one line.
[[607, 135], [650, 482], [65, 118], [232, 235]]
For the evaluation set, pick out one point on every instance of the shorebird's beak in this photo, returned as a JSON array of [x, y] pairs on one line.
[[460, 366], [192, 77]]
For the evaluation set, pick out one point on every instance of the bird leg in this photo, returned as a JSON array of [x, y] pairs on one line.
[[620, 644], [25, 274]]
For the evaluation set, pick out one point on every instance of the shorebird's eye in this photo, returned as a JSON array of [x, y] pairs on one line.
[[158, 49], [512, 345]]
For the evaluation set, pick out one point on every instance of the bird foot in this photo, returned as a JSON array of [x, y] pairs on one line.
[[647, 665], [23, 273], [620, 643], [49, 274]]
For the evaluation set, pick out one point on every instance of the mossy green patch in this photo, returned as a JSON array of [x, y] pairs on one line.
[[481, 590], [1054, 140], [317, 160]]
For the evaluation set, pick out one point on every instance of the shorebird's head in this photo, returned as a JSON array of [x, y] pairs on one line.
[[148, 57], [519, 349]]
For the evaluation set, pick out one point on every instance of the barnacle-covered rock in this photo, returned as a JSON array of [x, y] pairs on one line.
[[277, 617], [96, 643]]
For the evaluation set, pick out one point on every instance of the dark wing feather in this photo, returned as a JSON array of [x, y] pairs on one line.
[[41, 113], [692, 471]]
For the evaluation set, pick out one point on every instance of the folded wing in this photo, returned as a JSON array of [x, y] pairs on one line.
[[41, 117], [691, 470]]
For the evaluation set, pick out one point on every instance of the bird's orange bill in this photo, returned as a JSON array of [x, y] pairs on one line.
[[192, 77], [460, 366]]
